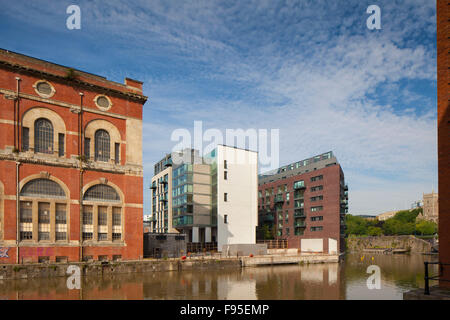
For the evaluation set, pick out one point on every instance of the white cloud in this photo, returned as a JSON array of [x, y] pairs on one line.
[[311, 69]]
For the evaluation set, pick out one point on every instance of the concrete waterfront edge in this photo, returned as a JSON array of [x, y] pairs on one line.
[[33, 271]]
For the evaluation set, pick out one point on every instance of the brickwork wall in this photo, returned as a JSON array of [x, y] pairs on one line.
[[443, 68], [62, 109]]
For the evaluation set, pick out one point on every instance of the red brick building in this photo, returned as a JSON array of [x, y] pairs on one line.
[[443, 66], [305, 203], [70, 164]]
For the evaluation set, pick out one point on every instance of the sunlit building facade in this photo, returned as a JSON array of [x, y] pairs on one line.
[[70, 164], [305, 203]]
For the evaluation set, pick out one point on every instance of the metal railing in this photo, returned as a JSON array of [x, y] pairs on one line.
[[198, 247], [275, 244], [436, 277]]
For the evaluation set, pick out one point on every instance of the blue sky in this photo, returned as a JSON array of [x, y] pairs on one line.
[[309, 68]]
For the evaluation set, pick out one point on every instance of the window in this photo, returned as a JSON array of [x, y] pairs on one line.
[[43, 136], [103, 102], [102, 145], [102, 236], [25, 212], [26, 218], [317, 178], [87, 235], [102, 216], [225, 197], [87, 215], [106, 214], [60, 217], [48, 212], [225, 218], [318, 218], [44, 212], [44, 221], [61, 144], [117, 217], [60, 235], [102, 223], [316, 198], [87, 147], [225, 175], [225, 164], [42, 188], [60, 222], [44, 88], [316, 228], [316, 188], [117, 152], [299, 184], [117, 224], [315, 209], [25, 139], [101, 192]]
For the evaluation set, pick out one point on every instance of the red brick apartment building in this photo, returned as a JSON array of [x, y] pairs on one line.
[[71, 175], [443, 95], [305, 203]]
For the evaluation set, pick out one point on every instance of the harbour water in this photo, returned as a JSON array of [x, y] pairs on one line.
[[347, 280]]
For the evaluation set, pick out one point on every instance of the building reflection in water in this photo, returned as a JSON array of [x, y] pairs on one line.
[[346, 280]]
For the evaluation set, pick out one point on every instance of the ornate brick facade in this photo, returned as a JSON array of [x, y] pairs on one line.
[[70, 164]]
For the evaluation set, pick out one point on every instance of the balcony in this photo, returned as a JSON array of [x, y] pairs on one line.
[[278, 198], [299, 213], [268, 217], [299, 186], [153, 187], [346, 188], [167, 164], [300, 224]]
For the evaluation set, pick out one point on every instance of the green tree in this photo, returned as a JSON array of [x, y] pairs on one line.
[[394, 226], [374, 231], [407, 215], [355, 225], [425, 227]]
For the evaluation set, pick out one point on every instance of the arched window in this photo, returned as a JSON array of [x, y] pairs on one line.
[[102, 145], [101, 192], [42, 188], [43, 136], [50, 202], [104, 200]]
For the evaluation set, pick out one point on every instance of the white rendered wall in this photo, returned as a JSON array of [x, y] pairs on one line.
[[332, 246], [242, 189], [312, 245], [208, 234]]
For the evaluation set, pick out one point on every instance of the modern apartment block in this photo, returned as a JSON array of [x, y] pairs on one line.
[[211, 199], [305, 203], [70, 164]]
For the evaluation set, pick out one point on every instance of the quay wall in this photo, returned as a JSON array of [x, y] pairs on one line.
[[49, 270], [411, 243]]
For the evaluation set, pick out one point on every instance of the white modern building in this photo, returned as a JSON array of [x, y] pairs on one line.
[[236, 195], [212, 199]]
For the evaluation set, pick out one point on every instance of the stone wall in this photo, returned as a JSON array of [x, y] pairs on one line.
[[30, 271], [395, 242]]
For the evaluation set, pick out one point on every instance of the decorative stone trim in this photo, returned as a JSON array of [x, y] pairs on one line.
[[99, 106], [44, 95]]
